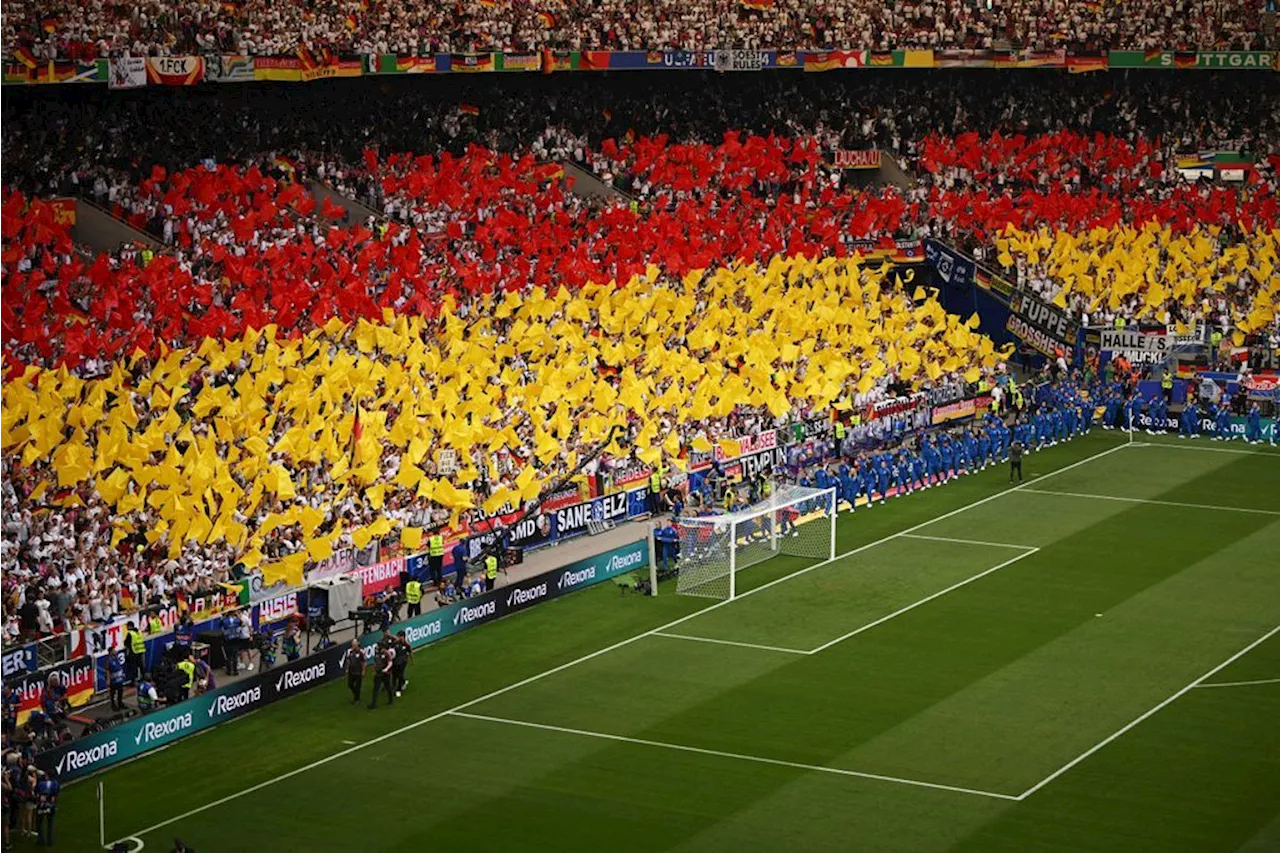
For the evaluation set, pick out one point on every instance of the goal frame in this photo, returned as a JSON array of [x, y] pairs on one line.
[[736, 521]]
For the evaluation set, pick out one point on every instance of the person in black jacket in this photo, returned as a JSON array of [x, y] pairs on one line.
[[355, 670]]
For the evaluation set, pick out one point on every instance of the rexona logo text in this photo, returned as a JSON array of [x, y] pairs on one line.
[[622, 562], [235, 701], [467, 614], [572, 578], [292, 679], [526, 596], [422, 633], [82, 759], [154, 730]]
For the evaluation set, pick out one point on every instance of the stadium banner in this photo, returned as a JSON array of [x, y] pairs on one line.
[[960, 410], [229, 69], [389, 63], [64, 210], [1042, 326], [834, 60], [1203, 60], [745, 60], [470, 63], [293, 69], [900, 59], [103, 638], [374, 579], [165, 726], [1029, 59], [40, 72], [573, 520], [520, 595], [1137, 346], [76, 675], [948, 265], [127, 72], [518, 62], [731, 448], [1085, 63], [18, 660], [1206, 426], [856, 159], [275, 609], [175, 70], [963, 59]]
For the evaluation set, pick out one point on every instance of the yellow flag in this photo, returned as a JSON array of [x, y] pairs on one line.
[[411, 537]]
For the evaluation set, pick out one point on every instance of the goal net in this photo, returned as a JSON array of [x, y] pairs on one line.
[[794, 520]]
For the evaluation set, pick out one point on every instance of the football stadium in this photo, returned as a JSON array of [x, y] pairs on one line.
[[719, 426]]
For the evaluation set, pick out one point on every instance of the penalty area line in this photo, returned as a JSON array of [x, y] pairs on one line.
[[729, 643], [719, 753], [1253, 683]]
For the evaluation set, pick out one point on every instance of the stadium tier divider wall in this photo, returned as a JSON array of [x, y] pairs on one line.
[[165, 726]]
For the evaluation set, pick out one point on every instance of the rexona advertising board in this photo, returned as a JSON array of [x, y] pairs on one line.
[[163, 727], [518, 596]]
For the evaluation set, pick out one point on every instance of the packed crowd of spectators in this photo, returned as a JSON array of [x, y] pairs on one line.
[[478, 223], [86, 30]]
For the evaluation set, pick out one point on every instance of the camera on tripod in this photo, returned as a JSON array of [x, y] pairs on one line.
[[371, 618]]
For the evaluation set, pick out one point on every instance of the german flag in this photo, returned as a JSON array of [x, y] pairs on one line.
[[549, 21], [757, 5], [307, 58], [1004, 59], [284, 164], [1085, 63], [881, 57], [26, 57], [469, 109], [49, 25], [1152, 55], [488, 4], [1184, 59], [351, 23]]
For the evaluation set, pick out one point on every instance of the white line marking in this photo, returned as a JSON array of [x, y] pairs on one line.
[[1203, 448], [1100, 744], [1152, 501], [967, 541], [1240, 683], [816, 768], [729, 643], [539, 676], [856, 631], [349, 742]]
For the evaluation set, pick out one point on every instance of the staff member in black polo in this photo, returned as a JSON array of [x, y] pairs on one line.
[[383, 662], [355, 670], [1015, 461], [404, 656]]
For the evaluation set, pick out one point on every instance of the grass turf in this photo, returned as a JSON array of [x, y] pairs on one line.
[[663, 743]]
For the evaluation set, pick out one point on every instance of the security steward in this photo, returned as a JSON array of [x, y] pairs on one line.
[[490, 571], [404, 656], [383, 663], [413, 597], [355, 670], [135, 648], [435, 557], [655, 492], [188, 669]]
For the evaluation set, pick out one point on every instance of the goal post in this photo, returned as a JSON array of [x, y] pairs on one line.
[[794, 520]]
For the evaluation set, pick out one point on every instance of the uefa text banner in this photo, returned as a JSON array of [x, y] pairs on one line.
[[1203, 60], [127, 72], [175, 70], [229, 68], [1042, 326], [948, 265]]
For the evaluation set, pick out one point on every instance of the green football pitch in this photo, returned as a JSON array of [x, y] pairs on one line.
[[1090, 661]]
